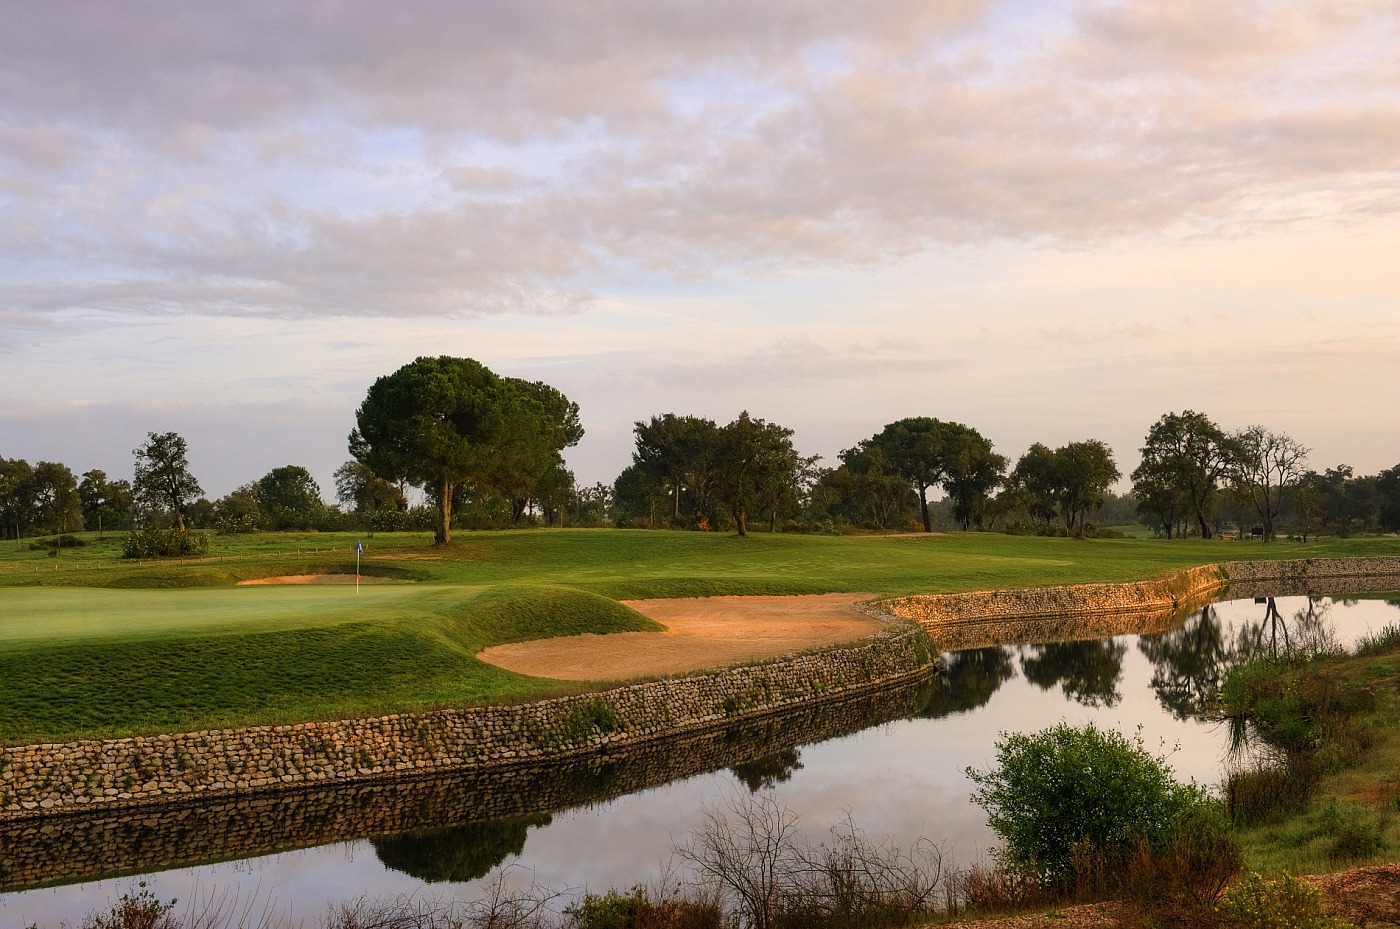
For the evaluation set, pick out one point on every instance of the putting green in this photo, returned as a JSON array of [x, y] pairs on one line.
[[38, 617]]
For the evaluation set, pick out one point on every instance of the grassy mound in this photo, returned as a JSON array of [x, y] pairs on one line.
[[88, 663]]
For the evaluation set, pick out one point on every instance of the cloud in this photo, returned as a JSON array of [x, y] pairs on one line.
[[376, 159]]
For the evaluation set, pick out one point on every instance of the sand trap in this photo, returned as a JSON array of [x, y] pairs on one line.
[[702, 633], [314, 579]]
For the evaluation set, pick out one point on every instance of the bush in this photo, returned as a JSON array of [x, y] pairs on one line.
[[1065, 786], [57, 542], [1267, 903], [164, 543]]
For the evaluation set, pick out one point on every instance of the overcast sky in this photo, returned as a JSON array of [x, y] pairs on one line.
[[1050, 221]]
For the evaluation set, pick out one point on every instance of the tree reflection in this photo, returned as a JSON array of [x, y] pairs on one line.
[[457, 853], [966, 681], [1189, 664], [1087, 672], [765, 772]]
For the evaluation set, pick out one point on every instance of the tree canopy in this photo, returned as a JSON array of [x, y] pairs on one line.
[[163, 479], [447, 424], [930, 453]]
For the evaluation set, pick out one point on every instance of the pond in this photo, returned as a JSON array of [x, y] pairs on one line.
[[893, 763]]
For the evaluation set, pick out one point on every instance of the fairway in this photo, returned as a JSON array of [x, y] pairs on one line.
[[91, 645]]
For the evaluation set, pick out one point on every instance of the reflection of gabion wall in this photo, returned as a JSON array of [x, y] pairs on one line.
[[52, 778], [1079, 611], [105, 841]]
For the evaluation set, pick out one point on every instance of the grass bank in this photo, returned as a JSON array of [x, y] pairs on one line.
[[96, 646], [1323, 790]]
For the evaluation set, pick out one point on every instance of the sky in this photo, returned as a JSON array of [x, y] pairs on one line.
[[1051, 221]]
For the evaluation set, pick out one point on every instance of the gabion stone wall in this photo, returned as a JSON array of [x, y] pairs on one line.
[[52, 778]]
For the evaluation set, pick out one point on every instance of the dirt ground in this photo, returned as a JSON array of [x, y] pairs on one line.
[[701, 633]]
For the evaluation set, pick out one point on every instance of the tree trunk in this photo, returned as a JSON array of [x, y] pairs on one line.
[[923, 507], [741, 522], [443, 533]]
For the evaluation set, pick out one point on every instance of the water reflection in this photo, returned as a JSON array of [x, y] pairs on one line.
[[460, 853], [768, 771], [1087, 672], [966, 681]]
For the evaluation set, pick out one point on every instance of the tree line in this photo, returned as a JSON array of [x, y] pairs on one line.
[[486, 451]]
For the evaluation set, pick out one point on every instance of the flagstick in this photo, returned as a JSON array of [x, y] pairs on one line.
[[357, 567]]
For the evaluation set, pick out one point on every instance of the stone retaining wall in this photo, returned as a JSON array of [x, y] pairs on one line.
[[53, 778], [1078, 611], [105, 841]]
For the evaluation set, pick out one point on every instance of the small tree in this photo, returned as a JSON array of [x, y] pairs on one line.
[[163, 478], [1063, 786]]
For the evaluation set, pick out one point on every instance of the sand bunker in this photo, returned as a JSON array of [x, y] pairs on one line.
[[315, 579], [701, 633]]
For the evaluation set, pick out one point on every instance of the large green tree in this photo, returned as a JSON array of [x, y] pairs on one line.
[[931, 453], [447, 424], [59, 508], [106, 504], [17, 503], [678, 453], [288, 498], [756, 463], [1188, 454], [163, 479]]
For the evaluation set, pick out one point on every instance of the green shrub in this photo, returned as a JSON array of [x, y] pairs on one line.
[[1283, 902], [1064, 785], [164, 543], [139, 909], [636, 910]]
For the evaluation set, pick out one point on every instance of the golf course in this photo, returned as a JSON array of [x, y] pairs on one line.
[[96, 646]]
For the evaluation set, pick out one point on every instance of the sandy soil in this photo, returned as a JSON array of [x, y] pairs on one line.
[[314, 579], [701, 633]]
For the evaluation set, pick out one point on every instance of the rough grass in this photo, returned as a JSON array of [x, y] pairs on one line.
[[94, 645], [1342, 716]]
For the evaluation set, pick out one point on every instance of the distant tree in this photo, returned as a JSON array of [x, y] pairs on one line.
[[914, 448], [1035, 484], [447, 423], [1388, 485], [163, 479], [1161, 503], [289, 498], [1266, 467], [679, 454], [239, 512], [1189, 454], [1087, 470], [1066, 483], [106, 504], [18, 507], [756, 462], [530, 469], [58, 507], [358, 488], [864, 490], [637, 499], [931, 453], [973, 471]]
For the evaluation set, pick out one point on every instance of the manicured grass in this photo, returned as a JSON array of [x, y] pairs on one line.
[[93, 645]]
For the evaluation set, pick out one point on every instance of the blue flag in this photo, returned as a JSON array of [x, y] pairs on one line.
[[359, 549]]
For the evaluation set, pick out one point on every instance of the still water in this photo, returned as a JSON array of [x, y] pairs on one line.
[[895, 764]]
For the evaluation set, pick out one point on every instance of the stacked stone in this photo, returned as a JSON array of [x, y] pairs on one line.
[[38, 779], [106, 840]]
